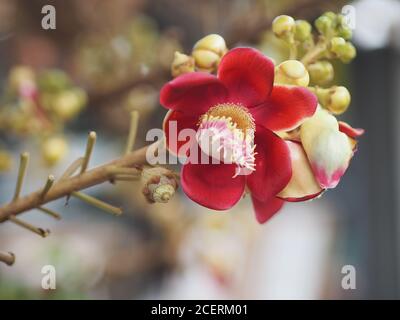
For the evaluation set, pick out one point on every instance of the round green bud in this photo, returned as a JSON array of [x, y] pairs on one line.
[[330, 14], [323, 24], [345, 32], [303, 30], [336, 99], [283, 26], [349, 52], [342, 29], [336, 45], [342, 49], [321, 72]]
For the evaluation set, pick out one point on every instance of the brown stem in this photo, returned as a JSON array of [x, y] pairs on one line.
[[7, 258], [65, 187]]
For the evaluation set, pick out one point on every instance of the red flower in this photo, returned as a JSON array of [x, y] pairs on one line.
[[241, 97]]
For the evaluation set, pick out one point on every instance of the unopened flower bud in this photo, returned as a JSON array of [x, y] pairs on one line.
[[53, 150], [335, 99], [159, 184], [303, 30], [206, 60], [208, 51], [292, 72], [330, 14], [349, 53], [5, 161], [212, 42], [324, 24], [68, 104], [283, 26], [342, 49], [337, 44], [321, 72], [342, 28], [182, 64], [345, 32]]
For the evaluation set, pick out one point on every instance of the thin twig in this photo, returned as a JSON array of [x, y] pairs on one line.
[[24, 159], [126, 178], [89, 148], [48, 185], [50, 212], [7, 258], [97, 203], [132, 131], [41, 232]]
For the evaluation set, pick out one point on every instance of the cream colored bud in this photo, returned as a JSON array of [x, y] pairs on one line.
[[321, 72], [182, 64], [53, 150], [206, 60], [335, 99], [283, 26], [208, 51], [213, 42], [159, 184], [292, 72], [68, 104]]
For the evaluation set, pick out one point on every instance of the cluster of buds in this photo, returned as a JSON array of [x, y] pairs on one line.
[[159, 184], [130, 52], [288, 29], [206, 55], [330, 41], [39, 105]]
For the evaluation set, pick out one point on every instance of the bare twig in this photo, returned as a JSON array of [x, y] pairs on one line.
[[97, 203], [41, 232], [49, 183], [67, 186], [7, 258], [23, 164], [132, 131], [89, 148], [50, 212]]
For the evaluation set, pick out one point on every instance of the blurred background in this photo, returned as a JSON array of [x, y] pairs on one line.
[[106, 58]]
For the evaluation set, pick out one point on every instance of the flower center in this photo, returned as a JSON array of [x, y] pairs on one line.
[[226, 133]]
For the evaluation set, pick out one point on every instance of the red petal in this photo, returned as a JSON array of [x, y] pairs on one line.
[[349, 130], [273, 165], [193, 93], [265, 210], [174, 123], [286, 108], [248, 74], [212, 185]]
